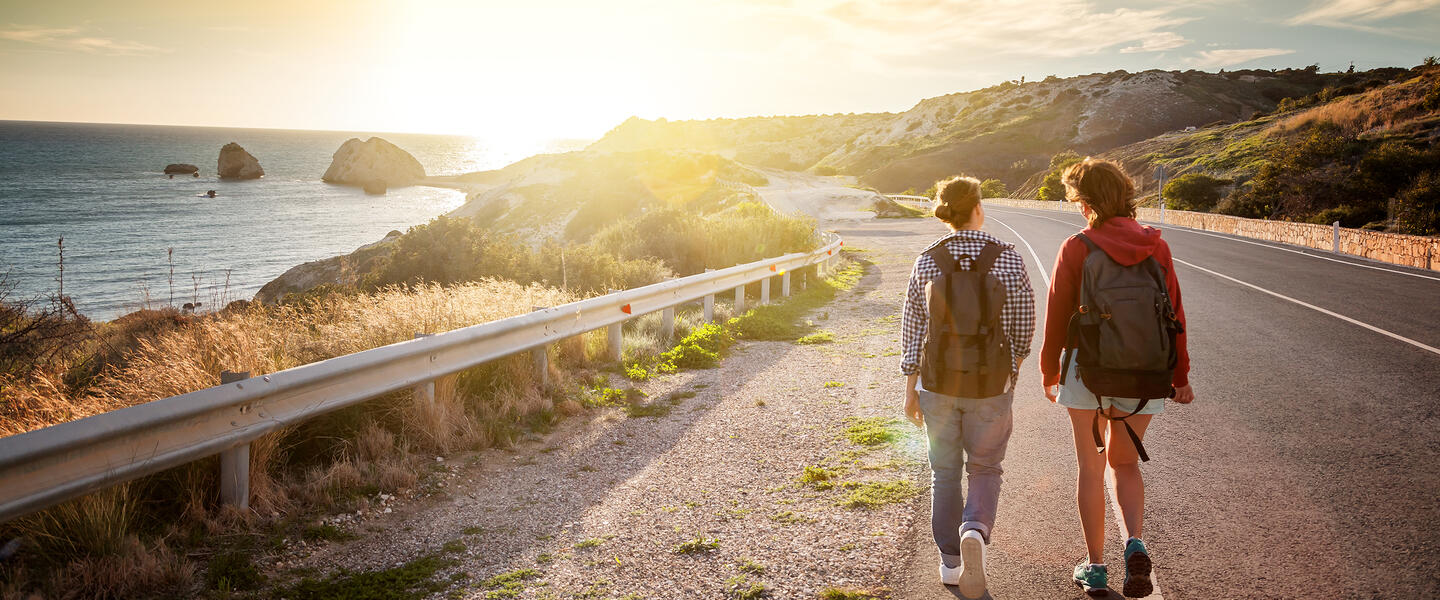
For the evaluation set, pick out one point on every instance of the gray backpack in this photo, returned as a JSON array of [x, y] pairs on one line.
[[1122, 335], [967, 353]]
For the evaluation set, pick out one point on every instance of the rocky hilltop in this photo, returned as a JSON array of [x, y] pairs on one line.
[[1008, 131], [375, 164], [236, 163]]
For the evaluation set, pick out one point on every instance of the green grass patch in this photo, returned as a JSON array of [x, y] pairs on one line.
[[697, 546], [749, 566], [649, 411], [781, 322], [819, 477], [473, 530], [848, 594], [508, 585], [819, 337], [790, 518], [453, 547], [740, 587], [875, 494], [315, 533], [410, 581], [834, 384], [233, 571], [588, 543], [873, 431]]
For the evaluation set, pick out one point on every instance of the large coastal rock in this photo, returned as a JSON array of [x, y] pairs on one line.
[[375, 164], [181, 169], [343, 270], [236, 163]]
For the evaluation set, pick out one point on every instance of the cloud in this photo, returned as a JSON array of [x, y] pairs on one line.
[[1156, 43], [1211, 59], [961, 28], [73, 39], [1332, 12]]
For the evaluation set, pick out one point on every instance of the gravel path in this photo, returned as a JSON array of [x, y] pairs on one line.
[[600, 506]]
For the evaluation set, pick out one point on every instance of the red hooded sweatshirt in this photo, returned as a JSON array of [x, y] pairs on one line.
[[1128, 243]]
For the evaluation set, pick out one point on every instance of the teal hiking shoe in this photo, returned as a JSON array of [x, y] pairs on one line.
[[1137, 570], [1091, 578]]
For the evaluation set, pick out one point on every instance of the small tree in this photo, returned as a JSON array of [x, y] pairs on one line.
[[1052, 189], [993, 188], [1194, 191]]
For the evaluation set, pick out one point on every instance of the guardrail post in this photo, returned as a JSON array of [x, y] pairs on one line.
[[614, 337], [764, 291], [235, 462], [541, 356], [667, 324], [740, 300], [1335, 236], [785, 284], [709, 304], [425, 392]]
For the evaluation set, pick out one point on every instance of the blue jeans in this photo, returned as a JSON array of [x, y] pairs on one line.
[[968, 437]]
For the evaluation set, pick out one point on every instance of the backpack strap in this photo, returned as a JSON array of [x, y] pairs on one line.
[[1134, 439], [1088, 242], [943, 260], [988, 255]]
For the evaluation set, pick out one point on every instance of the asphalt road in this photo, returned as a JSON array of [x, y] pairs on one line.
[[1308, 466]]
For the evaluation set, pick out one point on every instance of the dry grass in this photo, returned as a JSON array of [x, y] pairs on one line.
[[89, 547], [1385, 108]]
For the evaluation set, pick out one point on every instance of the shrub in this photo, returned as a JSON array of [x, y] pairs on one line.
[[1194, 191], [1417, 209], [1052, 189], [993, 188]]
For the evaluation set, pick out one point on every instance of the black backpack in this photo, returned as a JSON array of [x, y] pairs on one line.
[[1122, 334], [967, 353]]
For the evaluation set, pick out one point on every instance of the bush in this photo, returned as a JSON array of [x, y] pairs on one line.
[[1194, 191], [1052, 189], [1417, 209], [993, 188]]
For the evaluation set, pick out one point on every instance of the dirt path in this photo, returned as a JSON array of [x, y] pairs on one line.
[[603, 506]]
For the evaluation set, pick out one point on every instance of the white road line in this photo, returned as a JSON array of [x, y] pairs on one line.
[[1378, 330], [1254, 243], [1040, 265]]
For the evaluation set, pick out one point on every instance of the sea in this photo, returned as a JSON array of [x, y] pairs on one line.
[[136, 238]]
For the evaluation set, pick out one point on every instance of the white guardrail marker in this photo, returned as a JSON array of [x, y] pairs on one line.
[[45, 467]]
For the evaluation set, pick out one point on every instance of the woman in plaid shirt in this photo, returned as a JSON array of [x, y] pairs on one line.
[[965, 434]]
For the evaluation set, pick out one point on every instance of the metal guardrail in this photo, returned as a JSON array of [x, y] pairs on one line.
[[41, 468]]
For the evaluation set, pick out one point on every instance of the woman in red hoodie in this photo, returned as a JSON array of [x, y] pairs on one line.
[[1106, 197]]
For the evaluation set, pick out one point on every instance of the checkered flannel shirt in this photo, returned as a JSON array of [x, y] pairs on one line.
[[1017, 317]]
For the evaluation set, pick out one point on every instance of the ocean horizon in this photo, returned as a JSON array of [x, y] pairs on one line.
[[102, 188]]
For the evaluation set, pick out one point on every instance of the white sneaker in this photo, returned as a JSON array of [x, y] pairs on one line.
[[972, 575], [950, 575]]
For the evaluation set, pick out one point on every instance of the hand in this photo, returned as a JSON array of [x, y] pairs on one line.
[[1184, 395], [1052, 392], [912, 408]]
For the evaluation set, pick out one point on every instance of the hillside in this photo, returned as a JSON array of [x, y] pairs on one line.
[[1366, 107], [1008, 131], [575, 194]]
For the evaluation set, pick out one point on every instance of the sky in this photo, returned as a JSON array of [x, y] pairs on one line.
[[544, 69]]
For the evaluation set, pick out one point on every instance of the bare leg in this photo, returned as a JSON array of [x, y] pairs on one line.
[[1089, 485], [1127, 489]]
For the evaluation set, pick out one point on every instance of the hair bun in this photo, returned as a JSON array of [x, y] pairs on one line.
[[943, 212]]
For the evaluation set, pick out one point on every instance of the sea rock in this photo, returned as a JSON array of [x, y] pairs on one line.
[[375, 187], [181, 169], [236, 163], [372, 161]]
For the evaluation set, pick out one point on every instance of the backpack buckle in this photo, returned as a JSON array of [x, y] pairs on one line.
[[1083, 309]]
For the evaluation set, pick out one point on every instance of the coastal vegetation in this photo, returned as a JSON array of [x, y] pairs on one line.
[[138, 539], [1360, 151]]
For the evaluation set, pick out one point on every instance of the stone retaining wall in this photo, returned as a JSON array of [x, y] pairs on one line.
[[1408, 250]]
